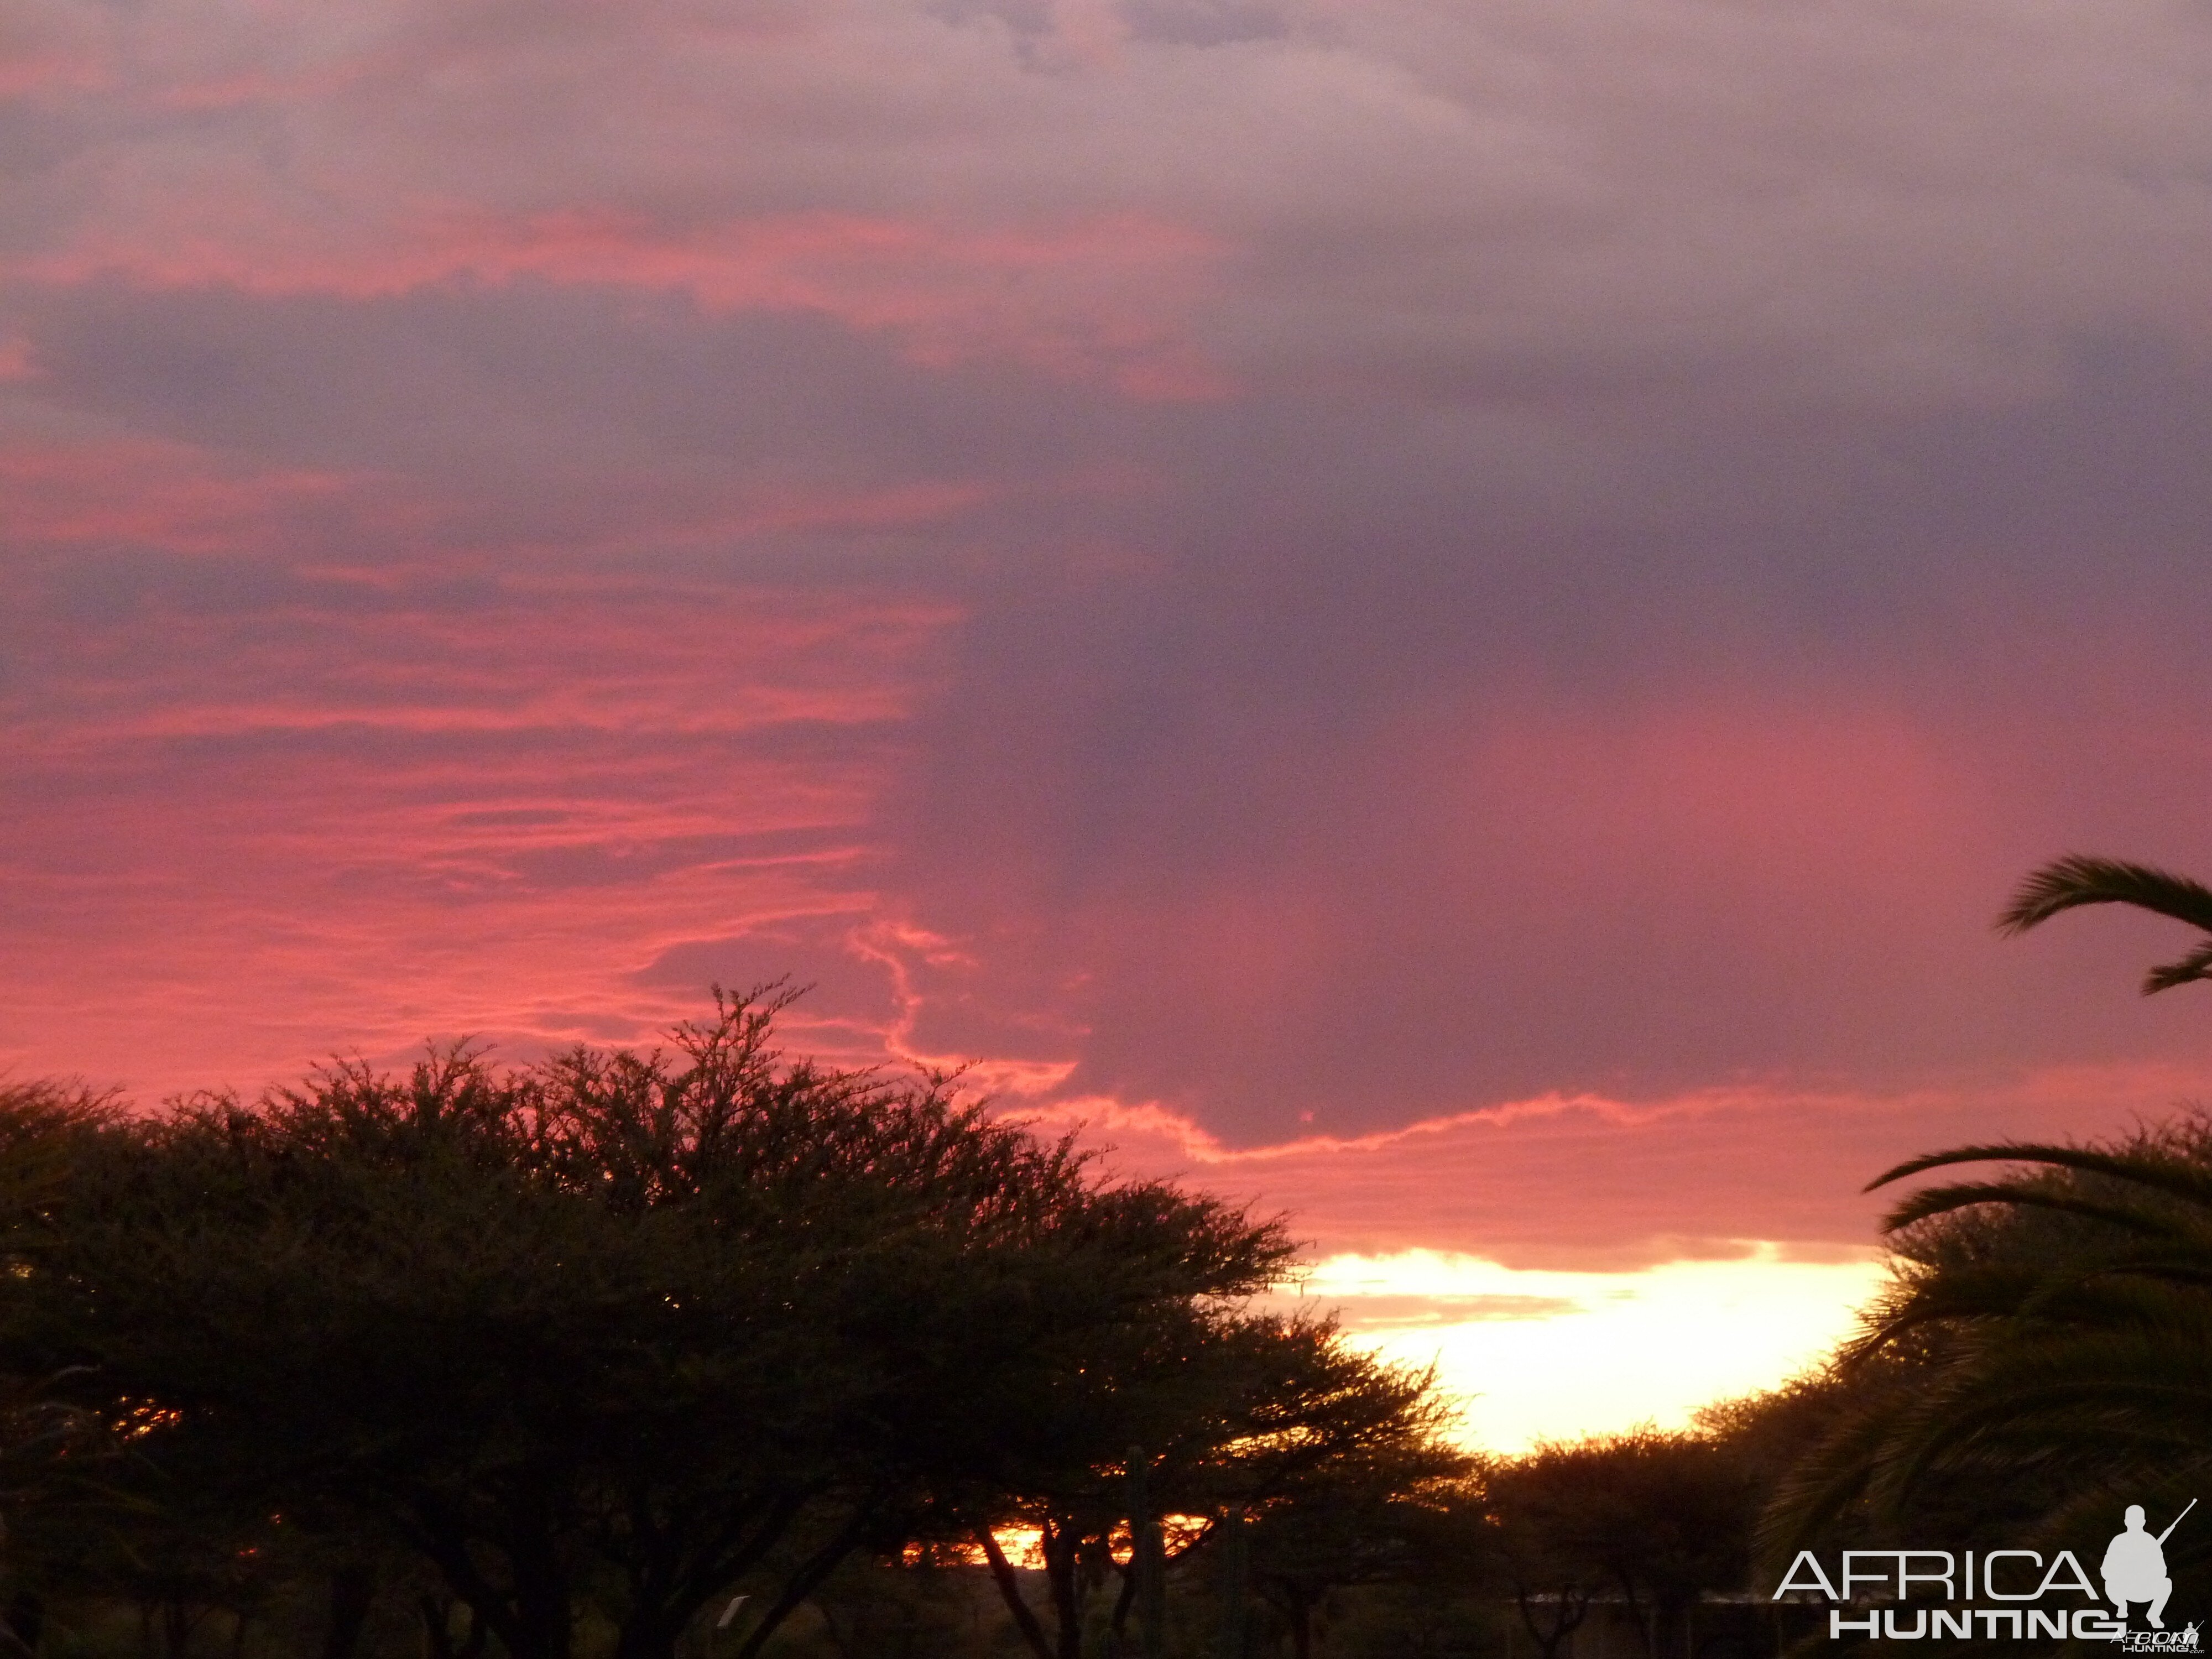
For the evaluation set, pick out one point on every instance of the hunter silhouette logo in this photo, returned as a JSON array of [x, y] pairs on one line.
[[2134, 1567]]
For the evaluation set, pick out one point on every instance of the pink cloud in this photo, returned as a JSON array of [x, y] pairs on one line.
[[156, 493], [1401, 195], [342, 821], [1490, 892], [1591, 1182], [1100, 299], [146, 490]]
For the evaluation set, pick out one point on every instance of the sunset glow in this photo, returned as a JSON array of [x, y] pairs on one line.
[[1535, 1355]]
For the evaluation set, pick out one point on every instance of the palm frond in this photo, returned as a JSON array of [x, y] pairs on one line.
[[2137, 1395], [2190, 1182], [2116, 1295], [1955, 1297], [2078, 879], [1941, 1200], [2197, 965], [2197, 1274]]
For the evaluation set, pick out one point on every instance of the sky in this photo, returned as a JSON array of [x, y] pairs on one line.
[[1452, 619]]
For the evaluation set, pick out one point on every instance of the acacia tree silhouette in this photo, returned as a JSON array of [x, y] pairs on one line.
[[632, 1330]]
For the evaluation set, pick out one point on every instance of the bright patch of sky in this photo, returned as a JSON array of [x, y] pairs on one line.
[[1544, 1355]]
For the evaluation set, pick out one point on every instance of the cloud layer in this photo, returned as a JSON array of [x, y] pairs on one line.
[[1294, 572]]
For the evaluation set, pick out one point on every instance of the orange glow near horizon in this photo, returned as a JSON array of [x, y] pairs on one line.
[[1535, 1355]]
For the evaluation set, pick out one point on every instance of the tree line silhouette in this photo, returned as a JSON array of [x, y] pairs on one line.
[[710, 1351]]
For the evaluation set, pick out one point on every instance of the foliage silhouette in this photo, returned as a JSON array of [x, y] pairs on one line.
[[613, 1334], [1651, 1518], [2055, 1316]]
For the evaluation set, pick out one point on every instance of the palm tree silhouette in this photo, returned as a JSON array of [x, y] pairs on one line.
[[2059, 1313], [2077, 879]]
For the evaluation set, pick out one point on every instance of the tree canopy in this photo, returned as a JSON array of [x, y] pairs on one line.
[[621, 1331]]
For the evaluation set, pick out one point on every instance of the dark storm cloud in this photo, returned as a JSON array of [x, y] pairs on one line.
[[1395, 808]]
